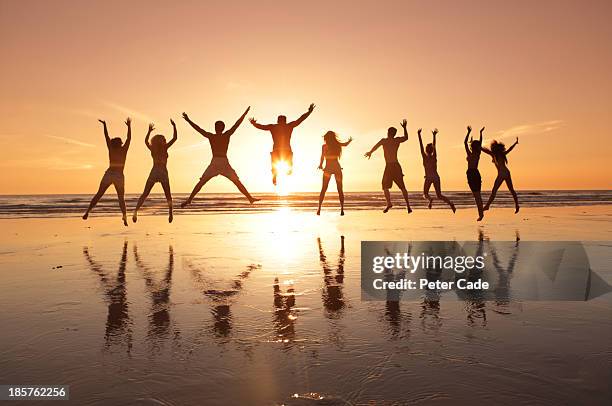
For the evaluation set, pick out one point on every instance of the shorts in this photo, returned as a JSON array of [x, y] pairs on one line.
[[158, 174], [393, 173], [113, 177], [474, 179], [281, 155], [332, 167], [219, 166]]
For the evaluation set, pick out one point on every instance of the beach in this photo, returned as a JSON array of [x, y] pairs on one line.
[[265, 309]]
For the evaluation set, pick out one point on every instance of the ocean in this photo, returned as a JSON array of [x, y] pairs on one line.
[[70, 205]]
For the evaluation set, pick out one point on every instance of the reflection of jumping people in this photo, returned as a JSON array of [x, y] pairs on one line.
[[393, 170], [333, 298], [114, 174], [219, 165], [473, 174], [159, 173], [430, 163], [281, 138], [330, 153], [118, 321], [499, 153], [284, 318]]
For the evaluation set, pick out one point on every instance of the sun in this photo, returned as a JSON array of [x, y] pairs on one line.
[[282, 178]]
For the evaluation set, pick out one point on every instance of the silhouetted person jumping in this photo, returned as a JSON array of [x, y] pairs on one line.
[[430, 163], [117, 153], [159, 173], [330, 153], [498, 152], [393, 170], [473, 174], [219, 165], [281, 138]]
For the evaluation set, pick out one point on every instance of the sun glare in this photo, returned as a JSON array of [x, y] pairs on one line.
[[282, 178]]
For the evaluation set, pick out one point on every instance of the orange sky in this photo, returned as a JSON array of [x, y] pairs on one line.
[[539, 70]]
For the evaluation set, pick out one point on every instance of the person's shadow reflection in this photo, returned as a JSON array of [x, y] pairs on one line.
[[332, 295], [118, 322], [159, 293], [393, 313], [504, 275], [221, 299], [284, 315]]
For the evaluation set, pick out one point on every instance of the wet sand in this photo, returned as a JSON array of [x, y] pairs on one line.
[[265, 309]]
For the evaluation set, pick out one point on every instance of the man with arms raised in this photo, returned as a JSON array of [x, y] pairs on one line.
[[393, 170], [281, 138]]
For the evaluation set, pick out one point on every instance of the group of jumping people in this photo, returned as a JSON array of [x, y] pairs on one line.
[[282, 160]]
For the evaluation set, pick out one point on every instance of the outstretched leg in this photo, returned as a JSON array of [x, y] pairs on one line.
[[388, 199], [513, 192], [402, 186], [478, 199], [440, 196], [243, 189], [120, 188], [496, 185], [426, 187], [325, 184], [195, 190], [94, 200], [340, 192], [166, 186], [142, 198]]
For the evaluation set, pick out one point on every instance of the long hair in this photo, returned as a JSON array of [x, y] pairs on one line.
[[333, 143], [498, 149]]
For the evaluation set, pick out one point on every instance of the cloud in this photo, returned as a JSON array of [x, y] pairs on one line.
[[129, 112], [52, 163], [70, 141], [536, 128]]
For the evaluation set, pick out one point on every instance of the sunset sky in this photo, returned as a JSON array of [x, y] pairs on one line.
[[536, 70]]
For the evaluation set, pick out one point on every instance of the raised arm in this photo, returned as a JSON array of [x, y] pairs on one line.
[[265, 127], [174, 134], [151, 128], [322, 157], [421, 142], [374, 148], [404, 124], [512, 146], [481, 131], [344, 144], [465, 141], [303, 116], [238, 122], [128, 139], [106, 137], [196, 127]]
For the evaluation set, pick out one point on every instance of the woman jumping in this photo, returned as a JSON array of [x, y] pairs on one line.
[[498, 152], [430, 163], [331, 152], [473, 174], [159, 173], [117, 152]]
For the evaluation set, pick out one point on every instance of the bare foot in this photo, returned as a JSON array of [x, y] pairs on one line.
[[480, 217], [387, 208], [170, 217], [430, 203], [409, 210], [253, 200], [342, 212], [318, 212], [85, 216], [134, 217], [517, 209], [124, 218], [485, 208], [453, 207], [184, 204]]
